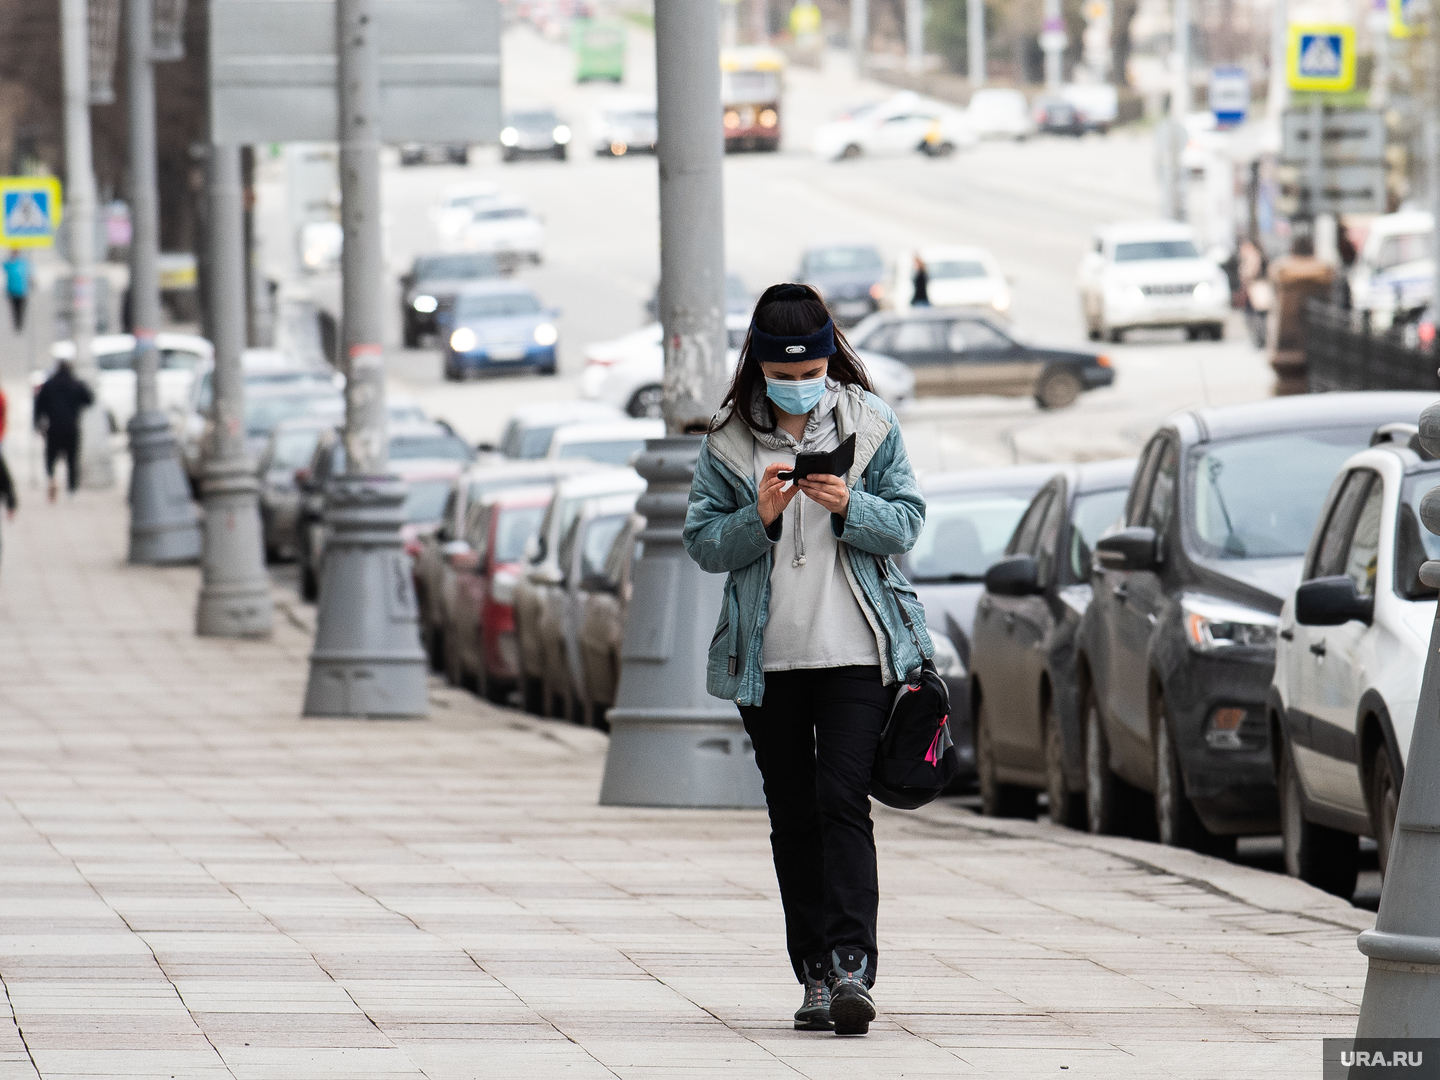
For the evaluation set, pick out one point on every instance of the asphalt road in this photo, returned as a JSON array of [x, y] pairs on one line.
[[1033, 204]]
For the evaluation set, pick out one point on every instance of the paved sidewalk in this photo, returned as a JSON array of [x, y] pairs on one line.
[[195, 882]]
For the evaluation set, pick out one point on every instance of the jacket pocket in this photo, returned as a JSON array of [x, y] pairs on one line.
[[724, 655]]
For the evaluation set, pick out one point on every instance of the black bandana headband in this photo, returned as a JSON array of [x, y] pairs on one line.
[[770, 349]]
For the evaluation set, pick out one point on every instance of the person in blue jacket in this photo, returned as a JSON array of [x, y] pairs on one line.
[[811, 643], [17, 286]]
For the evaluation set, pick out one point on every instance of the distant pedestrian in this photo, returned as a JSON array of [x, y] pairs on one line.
[[1258, 293], [58, 406], [813, 640], [7, 490], [920, 285], [17, 286]]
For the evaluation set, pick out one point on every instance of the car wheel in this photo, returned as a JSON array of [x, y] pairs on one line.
[[851, 151], [560, 153], [945, 149], [1116, 336], [1195, 333], [1175, 818], [532, 695], [412, 337], [997, 799], [1066, 807], [435, 649], [309, 584], [1384, 804], [1102, 787], [1320, 856], [646, 402], [1093, 334], [1058, 389], [1217, 331]]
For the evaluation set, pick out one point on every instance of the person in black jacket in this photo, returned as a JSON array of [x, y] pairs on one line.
[[58, 406], [920, 282]]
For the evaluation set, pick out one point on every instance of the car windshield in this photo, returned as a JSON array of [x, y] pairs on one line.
[[179, 360], [1258, 498], [1402, 248], [497, 305], [609, 451], [526, 443], [1145, 250], [455, 267], [1093, 514], [840, 260], [631, 119], [425, 501], [964, 534], [263, 414], [740, 87], [948, 269], [534, 121], [514, 529], [501, 213], [293, 449], [447, 447], [115, 361]]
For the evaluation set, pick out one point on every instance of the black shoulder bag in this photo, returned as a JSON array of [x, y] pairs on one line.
[[916, 759]]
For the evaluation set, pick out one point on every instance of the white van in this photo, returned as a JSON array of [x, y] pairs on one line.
[[1394, 270]]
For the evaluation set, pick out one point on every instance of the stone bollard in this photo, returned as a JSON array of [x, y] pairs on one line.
[[1402, 987]]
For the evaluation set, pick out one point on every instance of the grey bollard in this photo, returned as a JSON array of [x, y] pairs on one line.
[[164, 528], [367, 659], [1402, 986], [235, 590], [671, 743]]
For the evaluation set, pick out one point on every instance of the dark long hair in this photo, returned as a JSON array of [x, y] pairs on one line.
[[785, 310]]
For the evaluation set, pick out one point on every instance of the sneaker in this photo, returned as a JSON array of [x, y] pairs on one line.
[[851, 1006], [814, 1014]]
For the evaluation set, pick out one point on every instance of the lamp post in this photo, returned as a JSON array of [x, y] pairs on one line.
[[163, 528], [671, 744], [975, 42]]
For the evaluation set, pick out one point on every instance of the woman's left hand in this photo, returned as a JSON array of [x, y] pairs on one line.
[[830, 492]]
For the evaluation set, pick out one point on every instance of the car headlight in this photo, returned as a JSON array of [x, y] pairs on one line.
[[1001, 302], [1213, 625], [769, 118], [509, 136], [546, 334], [731, 119], [1204, 292], [561, 134], [947, 658], [425, 304], [463, 339]]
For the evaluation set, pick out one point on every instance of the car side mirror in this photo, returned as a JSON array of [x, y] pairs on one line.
[[485, 447], [1332, 601], [1016, 575], [1135, 548]]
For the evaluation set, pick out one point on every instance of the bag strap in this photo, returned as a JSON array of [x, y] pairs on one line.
[[883, 564]]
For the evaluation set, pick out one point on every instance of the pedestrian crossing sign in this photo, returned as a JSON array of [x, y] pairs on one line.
[[30, 209], [1321, 57]]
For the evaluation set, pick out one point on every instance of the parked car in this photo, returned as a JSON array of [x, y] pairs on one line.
[[624, 125], [960, 353], [533, 133], [604, 598], [1056, 116], [269, 404], [428, 482], [1350, 660], [629, 372], [902, 124], [849, 278], [1177, 647], [541, 686], [498, 326], [1150, 275], [582, 552], [969, 516], [289, 450], [1394, 271], [432, 283], [531, 428], [739, 302], [418, 153], [507, 230], [1097, 103], [959, 277], [613, 443], [1000, 114], [435, 576], [1023, 689], [479, 645], [180, 356]]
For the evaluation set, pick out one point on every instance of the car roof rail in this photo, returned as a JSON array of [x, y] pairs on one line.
[[1401, 434]]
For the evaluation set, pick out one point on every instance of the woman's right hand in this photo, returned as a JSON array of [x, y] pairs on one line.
[[773, 496]]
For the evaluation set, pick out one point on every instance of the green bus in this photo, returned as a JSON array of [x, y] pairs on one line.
[[599, 49]]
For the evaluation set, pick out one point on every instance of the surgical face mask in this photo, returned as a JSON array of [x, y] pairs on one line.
[[796, 397]]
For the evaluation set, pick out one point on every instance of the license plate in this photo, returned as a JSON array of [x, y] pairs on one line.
[[508, 352]]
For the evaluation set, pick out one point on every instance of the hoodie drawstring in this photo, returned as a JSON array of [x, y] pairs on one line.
[[799, 559]]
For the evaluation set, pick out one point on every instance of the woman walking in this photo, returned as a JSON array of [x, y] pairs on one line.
[[811, 640]]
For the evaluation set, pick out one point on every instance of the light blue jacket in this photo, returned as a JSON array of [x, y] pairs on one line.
[[724, 535]]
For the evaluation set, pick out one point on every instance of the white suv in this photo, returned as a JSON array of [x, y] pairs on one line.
[[1149, 275], [1350, 659]]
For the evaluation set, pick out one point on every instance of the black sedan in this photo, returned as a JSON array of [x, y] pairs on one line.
[[534, 133], [432, 283], [1058, 117], [961, 352], [969, 516], [848, 277], [1023, 690]]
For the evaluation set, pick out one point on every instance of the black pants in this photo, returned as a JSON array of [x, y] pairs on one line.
[[815, 736], [17, 311], [64, 444]]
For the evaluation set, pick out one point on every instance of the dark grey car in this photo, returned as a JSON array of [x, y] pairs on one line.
[[431, 285], [848, 277], [1022, 655]]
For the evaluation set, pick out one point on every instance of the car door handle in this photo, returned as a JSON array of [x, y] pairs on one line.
[[1287, 635], [1120, 592], [1318, 648]]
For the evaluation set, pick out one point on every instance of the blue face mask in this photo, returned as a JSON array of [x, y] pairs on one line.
[[796, 398]]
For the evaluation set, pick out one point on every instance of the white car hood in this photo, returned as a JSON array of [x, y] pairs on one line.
[[959, 291], [1160, 272]]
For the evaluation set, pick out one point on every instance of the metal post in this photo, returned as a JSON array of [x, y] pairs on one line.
[[367, 659], [96, 468], [1180, 102], [671, 744], [163, 525], [760, 21], [234, 590], [1052, 42], [914, 36], [859, 33], [1432, 142], [1312, 206], [975, 42], [1278, 94]]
